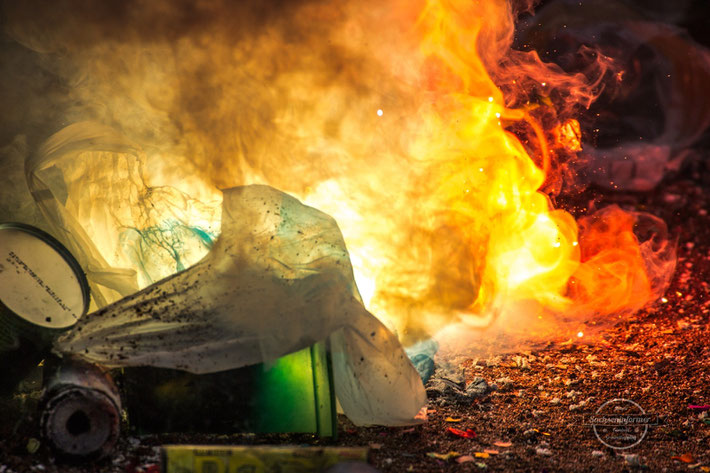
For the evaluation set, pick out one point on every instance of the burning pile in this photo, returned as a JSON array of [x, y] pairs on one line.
[[436, 147], [205, 153]]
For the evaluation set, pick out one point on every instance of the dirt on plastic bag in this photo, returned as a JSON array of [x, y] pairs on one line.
[[275, 278]]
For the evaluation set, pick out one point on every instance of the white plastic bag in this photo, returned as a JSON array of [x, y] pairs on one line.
[[277, 279]]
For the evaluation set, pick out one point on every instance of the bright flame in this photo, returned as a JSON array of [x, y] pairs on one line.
[[483, 238], [440, 199]]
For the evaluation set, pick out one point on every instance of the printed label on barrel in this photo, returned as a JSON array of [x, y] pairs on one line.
[[36, 282]]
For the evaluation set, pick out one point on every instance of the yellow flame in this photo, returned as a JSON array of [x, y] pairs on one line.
[[385, 115], [489, 231]]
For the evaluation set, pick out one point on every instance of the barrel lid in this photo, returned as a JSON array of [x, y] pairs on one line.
[[40, 280]]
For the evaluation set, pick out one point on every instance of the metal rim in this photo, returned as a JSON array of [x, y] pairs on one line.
[[63, 252]]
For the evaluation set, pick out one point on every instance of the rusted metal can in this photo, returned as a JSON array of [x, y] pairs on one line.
[[81, 409]]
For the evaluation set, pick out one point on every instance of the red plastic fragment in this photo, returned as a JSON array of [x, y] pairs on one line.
[[467, 434]]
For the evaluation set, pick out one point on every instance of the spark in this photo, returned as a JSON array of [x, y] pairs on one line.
[[490, 99], [580, 334], [380, 112], [664, 300]]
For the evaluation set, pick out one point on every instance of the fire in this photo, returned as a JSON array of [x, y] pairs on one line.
[[484, 239], [431, 142]]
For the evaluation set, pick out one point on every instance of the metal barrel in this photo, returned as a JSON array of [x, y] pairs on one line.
[[43, 292], [80, 410]]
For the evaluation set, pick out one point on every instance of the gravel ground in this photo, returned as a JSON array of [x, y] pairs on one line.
[[525, 411]]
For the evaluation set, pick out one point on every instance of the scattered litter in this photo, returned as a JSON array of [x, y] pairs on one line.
[[443, 456], [685, 458], [504, 384], [545, 452], [490, 451], [481, 455], [597, 453], [493, 362], [581, 404], [375, 446], [554, 401], [537, 412], [453, 419], [467, 434], [704, 407], [450, 384], [148, 468], [632, 459], [502, 444], [481, 465], [477, 387], [464, 459], [521, 362], [32, 445], [454, 374]]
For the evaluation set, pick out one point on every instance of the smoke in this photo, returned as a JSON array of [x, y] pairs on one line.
[[226, 91], [382, 114]]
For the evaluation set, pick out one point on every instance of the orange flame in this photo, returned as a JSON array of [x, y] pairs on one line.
[[431, 142], [484, 240]]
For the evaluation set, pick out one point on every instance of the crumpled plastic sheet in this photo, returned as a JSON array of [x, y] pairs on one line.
[[276, 280], [87, 182]]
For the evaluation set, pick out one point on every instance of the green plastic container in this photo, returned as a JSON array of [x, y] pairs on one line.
[[293, 394]]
